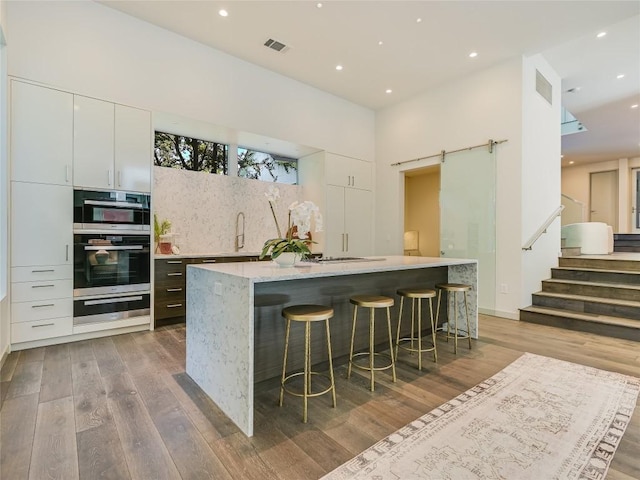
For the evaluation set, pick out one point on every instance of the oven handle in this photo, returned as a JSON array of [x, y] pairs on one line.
[[114, 247], [113, 204], [102, 301]]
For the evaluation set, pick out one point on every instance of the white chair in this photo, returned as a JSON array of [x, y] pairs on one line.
[[593, 238]]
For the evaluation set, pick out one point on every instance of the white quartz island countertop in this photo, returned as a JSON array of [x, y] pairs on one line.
[[234, 329]]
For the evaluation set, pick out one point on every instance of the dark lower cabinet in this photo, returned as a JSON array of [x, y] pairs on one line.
[[170, 285]]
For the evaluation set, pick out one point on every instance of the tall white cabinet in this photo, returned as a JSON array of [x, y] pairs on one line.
[[111, 146], [343, 189], [41, 212]]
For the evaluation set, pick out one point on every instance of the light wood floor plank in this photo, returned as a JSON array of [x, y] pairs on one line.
[[146, 454], [100, 454], [55, 454], [89, 396], [17, 425], [56, 374], [27, 379], [9, 366], [107, 357]]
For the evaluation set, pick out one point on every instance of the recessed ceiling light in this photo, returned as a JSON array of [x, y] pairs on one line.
[[388, 90], [380, 42], [319, 5], [418, 20], [338, 67], [620, 76], [635, 105], [473, 54], [601, 34], [223, 13], [571, 162]]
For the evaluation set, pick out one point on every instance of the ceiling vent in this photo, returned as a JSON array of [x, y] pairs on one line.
[[543, 87], [276, 45]]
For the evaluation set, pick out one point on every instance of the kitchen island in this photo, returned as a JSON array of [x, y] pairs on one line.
[[235, 332]]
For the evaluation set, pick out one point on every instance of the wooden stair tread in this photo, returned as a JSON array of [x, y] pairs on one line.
[[586, 317], [596, 270], [586, 298], [625, 286]]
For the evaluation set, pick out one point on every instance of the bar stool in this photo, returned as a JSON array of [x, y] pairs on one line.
[[307, 314], [372, 302], [455, 288], [416, 295]]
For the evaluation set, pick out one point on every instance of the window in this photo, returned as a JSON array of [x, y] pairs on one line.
[[178, 151], [267, 167]]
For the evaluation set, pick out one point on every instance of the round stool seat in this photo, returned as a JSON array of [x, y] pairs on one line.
[[307, 313], [416, 293], [371, 301], [454, 287]]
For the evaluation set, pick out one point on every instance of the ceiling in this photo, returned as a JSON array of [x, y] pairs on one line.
[[411, 46]]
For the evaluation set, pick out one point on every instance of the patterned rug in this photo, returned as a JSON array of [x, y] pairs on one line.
[[539, 418]]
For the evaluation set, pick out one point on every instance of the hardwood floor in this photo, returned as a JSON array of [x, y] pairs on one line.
[[122, 407]]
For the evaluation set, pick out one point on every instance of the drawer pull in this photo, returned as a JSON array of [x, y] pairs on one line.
[[174, 305], [176, 274], [43, 305], [175, 261], [42, 286], [213, 260], [174, 289], [43, 271], [43, 325]]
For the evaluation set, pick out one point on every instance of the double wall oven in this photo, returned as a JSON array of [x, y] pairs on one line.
[[112, 256]]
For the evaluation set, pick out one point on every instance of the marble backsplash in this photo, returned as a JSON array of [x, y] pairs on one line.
[[203, 209]]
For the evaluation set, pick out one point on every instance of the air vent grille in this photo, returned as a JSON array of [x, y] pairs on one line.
[[543, 87], [276, 45]]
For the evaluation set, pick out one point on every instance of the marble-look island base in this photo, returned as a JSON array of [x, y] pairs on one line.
[[235, 331]]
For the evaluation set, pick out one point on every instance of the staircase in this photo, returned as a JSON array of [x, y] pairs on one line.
[[598, 295], [626, 242]]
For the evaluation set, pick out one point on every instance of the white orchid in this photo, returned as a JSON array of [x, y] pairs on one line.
[[301, 215], [273, 194]]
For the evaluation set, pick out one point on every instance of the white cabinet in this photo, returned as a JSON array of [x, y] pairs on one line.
[[342, 188], [112, 146], [41, 134], [347, 172], [348, 222], [41, 224]]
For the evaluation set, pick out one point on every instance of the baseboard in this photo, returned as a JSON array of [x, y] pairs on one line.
[[4, 355], [500, 313]]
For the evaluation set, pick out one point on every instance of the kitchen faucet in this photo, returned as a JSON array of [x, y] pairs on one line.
[[239, 231]]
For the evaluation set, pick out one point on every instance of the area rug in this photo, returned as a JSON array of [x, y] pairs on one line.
[[539, 418]]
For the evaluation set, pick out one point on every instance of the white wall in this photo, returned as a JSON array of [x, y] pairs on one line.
[[4, 192], [540, 186], [491, 104], [576, 184], [87, 48]]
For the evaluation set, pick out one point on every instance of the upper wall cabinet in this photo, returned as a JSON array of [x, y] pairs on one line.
[[111, 146], [41, 134], [347, 172]]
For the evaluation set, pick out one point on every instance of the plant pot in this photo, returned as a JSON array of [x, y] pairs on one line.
[[287, 259]]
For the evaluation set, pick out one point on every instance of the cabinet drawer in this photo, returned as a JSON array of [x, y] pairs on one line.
[[165, 293], [169, 266], [45, 272], [169, 309], [39, 329], [41, 310], [45, 290]]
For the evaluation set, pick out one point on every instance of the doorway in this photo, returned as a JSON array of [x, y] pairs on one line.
[[603, 198], [635, 200]]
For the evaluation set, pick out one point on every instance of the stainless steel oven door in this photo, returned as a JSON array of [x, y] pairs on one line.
[[111, 210], [111, 263], [108, 309]]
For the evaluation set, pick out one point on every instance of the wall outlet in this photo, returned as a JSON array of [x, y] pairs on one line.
[[217, 288], [504, 288]]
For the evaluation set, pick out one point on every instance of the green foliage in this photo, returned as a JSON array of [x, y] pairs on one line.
[[177, 151], [160, 228], [252, 164], [276, 246]]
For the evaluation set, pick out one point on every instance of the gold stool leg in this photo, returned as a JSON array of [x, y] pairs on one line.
[[438, 306], [419, 333], [413, 320], [433, 331], [466, 308], [353, 334], [333, 383], [371, 346], [393, 364], [306, 386], [284, 362], [399, 325], [455, 325]]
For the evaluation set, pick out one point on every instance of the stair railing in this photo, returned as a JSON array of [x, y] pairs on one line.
[[575, 210], [543, 228]]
